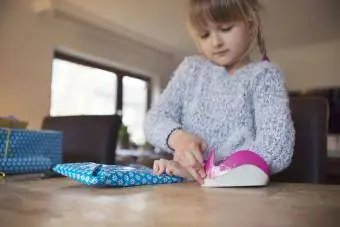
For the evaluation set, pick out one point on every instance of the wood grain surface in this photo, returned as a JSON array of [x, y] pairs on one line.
[[61, 203]]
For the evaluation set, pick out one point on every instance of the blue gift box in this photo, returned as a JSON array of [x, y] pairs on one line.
[[28, 151], [93, 174]]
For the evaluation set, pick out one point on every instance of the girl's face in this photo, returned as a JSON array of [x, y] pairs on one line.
[[225, 44]]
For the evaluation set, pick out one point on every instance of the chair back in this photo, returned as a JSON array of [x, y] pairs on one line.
[[87, 138], [310, 117]]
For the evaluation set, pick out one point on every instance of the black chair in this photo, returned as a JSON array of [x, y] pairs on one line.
[[309, 164], [87, 138]]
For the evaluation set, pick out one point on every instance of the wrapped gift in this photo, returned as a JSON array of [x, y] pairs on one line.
[[28, 151], [112, 175]]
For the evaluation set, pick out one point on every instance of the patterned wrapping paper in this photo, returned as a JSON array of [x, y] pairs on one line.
[[93, 174], [27, 151]]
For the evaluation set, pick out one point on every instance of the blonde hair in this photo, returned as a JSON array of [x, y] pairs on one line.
[[203, 12]]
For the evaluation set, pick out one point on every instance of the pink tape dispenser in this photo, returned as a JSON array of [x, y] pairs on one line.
[[241, 169]]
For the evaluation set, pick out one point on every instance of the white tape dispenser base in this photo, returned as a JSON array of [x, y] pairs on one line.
[[241, 169]]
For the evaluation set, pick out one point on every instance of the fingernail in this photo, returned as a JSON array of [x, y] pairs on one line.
[[202, 173]]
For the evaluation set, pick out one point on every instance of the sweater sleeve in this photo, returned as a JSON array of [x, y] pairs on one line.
[[165, 116], [275, 133]]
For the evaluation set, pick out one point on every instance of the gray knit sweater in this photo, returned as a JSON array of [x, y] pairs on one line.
[[248, 110]]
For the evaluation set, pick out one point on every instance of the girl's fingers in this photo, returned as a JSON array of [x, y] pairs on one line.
[[202, 173], [160, 166], [190, 159], [197, 155], [194, 167], [198, 165], [176, 169], [203, 146], [155, 167], [170, 170], [177, 157], [195, 175]]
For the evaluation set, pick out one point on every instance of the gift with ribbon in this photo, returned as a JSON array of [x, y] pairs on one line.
[[27, 151], [98, 175]]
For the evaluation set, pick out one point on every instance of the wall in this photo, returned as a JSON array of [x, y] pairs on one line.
[[306, 44], [310, 66], [27, 43]]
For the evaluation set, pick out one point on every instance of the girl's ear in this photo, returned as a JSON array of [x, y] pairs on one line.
[[251, 27]]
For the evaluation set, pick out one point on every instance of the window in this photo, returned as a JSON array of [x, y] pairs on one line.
[[85, 88], [82, 90], [135, 93]]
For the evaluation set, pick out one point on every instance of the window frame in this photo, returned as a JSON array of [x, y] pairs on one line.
[[119, 72]]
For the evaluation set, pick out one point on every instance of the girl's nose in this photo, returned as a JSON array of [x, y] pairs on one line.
[[216, 40]]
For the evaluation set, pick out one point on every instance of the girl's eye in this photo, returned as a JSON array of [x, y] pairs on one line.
[[204, 35], [227, 29]]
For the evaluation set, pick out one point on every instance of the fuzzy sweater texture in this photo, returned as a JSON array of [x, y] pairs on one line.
[[248, 110]]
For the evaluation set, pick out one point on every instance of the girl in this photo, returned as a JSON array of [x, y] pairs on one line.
[[220, 99]]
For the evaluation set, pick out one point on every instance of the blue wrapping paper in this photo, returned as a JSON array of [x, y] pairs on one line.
[[28, 151], [93, 174]]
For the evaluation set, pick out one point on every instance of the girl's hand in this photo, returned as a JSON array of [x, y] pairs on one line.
[[171, 167], [188, 152]]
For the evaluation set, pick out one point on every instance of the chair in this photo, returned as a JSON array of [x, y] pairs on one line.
[[87, 138], [309, 163]]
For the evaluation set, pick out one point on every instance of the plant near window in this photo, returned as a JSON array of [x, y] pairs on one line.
[[124, 137]]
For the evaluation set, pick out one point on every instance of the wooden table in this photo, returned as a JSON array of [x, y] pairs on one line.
[[63, 203]]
